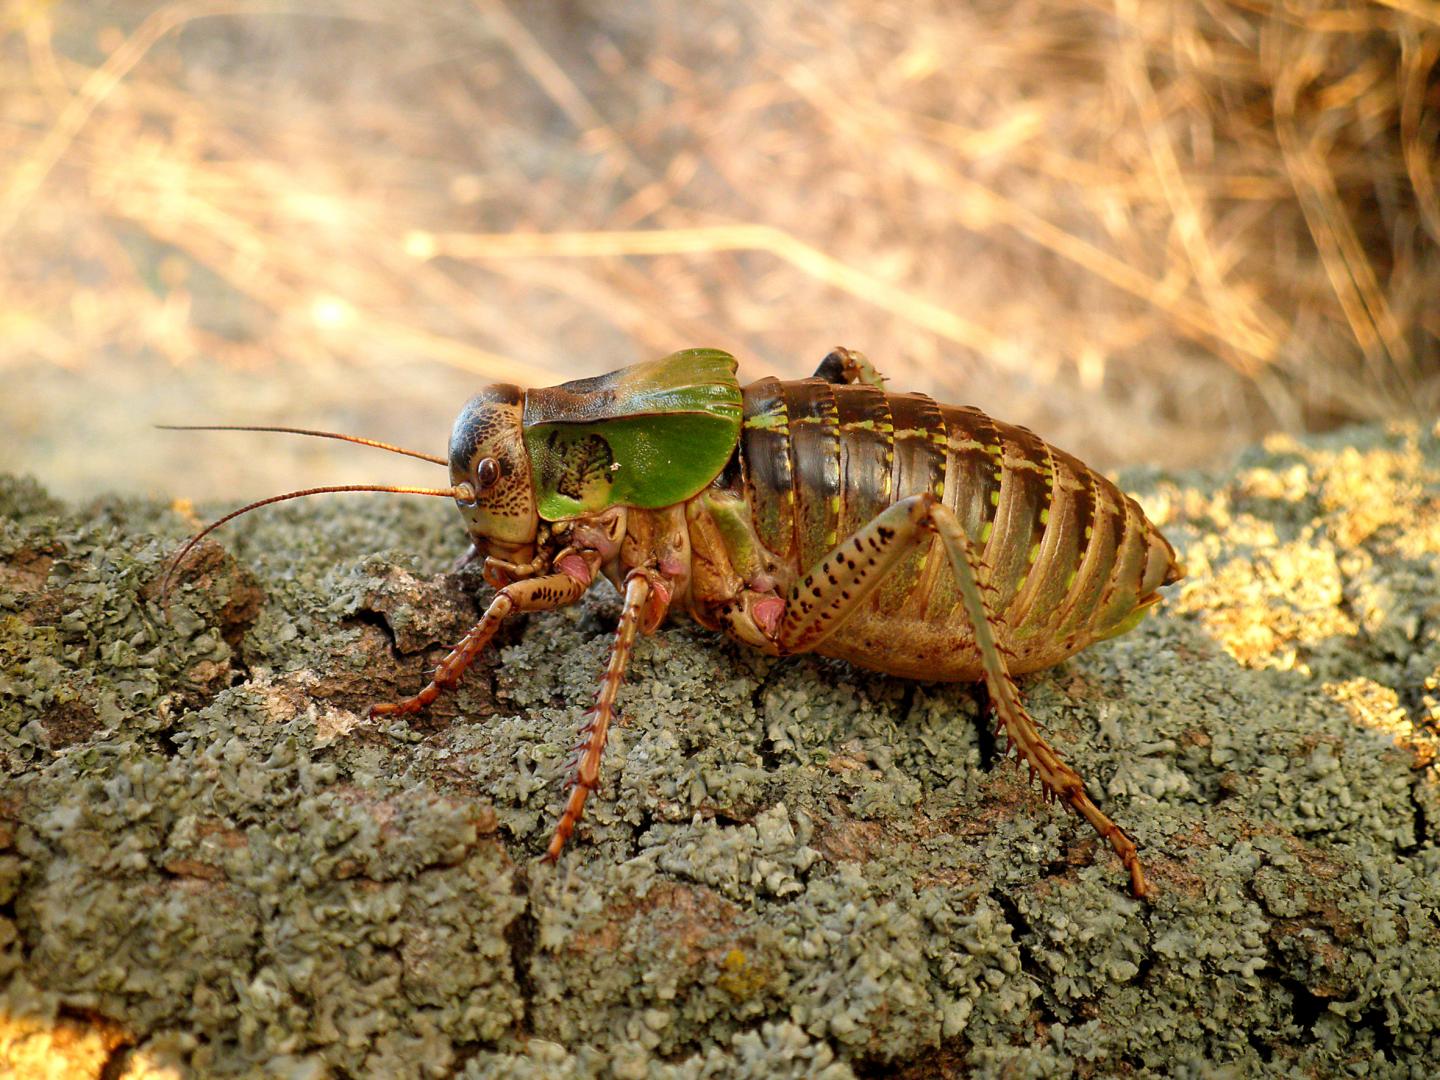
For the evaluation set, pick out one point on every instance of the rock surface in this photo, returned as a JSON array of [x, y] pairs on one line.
[[212, 862]]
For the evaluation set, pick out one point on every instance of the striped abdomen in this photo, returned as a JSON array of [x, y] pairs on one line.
[[1072, 558]]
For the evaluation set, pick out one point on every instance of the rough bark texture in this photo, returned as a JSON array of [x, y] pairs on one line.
[[210, 861]]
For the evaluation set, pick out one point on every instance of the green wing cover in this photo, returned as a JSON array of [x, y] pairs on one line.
[[649, 435]]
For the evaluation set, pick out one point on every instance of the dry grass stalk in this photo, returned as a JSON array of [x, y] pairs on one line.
[[1150, 229]]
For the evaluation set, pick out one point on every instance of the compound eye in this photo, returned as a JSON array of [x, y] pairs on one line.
[[487, 473]]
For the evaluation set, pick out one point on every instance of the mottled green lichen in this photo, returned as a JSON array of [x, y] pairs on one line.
[[209, 856]]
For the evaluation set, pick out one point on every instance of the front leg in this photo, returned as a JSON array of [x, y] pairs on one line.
[[577, 572], [647, 595]]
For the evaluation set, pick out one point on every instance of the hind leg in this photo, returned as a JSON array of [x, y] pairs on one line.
[[839, 583], [1058, 778]]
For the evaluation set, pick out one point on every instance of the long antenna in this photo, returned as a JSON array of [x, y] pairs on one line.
[[460, 491], [306, 431]]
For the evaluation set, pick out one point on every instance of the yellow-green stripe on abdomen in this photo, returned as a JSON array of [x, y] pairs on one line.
[[815, 464], [765, 455], [919, 464]]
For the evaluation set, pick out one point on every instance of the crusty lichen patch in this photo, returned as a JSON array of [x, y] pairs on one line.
[[211, 861]]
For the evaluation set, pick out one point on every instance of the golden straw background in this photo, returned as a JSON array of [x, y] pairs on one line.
[[1150, 231]]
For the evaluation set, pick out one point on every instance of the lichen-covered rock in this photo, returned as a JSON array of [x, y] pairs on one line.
[[212, 862]]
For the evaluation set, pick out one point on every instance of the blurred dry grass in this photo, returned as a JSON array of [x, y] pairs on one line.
[[1149, 230]]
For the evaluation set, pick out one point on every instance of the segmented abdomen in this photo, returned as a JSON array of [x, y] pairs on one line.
[[1072, 558]]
